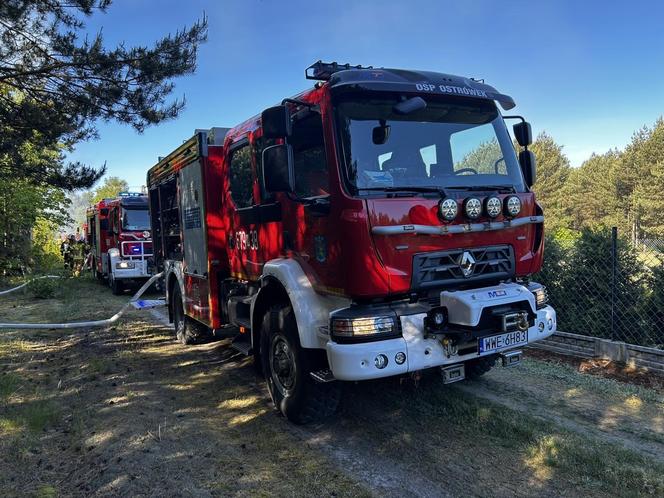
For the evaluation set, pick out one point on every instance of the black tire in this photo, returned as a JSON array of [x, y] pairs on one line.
[[474, 369], [287, 367], [117, 286], [187, 330]]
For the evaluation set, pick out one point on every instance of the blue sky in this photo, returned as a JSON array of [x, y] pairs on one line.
[[588, 72]]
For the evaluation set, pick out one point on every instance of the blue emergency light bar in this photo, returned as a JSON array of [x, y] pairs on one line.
[[130, 194]]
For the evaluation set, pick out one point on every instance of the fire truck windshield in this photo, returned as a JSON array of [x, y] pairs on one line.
[[450, 143], [135, 219]]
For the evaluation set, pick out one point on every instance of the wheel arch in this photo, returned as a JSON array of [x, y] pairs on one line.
[[285, 280], [271, 292]]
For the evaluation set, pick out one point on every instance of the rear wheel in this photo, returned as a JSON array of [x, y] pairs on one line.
[[187, 330], [474, 369], [287, 367]]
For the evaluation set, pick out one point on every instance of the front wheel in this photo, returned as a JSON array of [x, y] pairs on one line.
[[117, 286], [287, 367]]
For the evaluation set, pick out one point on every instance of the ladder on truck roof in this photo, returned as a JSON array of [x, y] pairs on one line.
[[189, 151]]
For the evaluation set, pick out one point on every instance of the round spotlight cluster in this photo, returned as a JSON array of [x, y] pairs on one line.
[[493, 206], [512, 206], [448, 209], [473, 208]]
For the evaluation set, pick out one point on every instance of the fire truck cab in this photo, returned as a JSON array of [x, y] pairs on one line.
[[377, 224], [120, 240]]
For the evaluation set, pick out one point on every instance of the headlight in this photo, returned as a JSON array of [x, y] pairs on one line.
[[114, 252], [493, 206], [448, 209], [473, 208], [512, 206], [125, 265], [541, 296], [363, 327]]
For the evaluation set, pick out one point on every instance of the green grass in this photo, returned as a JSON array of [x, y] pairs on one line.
[[9, 384], [546, 449], [570, 377]]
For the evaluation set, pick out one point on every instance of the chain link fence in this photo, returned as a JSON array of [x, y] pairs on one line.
[[602, 283]]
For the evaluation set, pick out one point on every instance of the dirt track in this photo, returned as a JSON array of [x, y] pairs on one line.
[[127, 411]]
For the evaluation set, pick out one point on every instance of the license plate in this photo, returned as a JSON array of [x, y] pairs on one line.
[[502, 341]]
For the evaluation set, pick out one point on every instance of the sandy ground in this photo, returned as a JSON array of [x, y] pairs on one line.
[[127, 411]]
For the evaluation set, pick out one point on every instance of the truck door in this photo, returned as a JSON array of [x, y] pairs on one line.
[[245, 260], [314, 240]]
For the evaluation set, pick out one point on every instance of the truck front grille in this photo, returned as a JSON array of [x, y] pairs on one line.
[[462, 267]]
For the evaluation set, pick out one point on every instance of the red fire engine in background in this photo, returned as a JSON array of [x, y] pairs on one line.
[[378, 224], [118, 232]]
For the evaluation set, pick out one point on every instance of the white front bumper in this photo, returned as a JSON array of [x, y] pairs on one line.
[[358, 361], [140, 270]]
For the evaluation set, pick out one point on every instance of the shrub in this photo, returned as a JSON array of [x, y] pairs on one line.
[[43, 288]]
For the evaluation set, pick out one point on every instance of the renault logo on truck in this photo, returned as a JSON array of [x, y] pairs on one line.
[[466, 263]]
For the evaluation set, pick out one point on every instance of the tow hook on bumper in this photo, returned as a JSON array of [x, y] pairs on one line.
[[511, 358], [453, 373]]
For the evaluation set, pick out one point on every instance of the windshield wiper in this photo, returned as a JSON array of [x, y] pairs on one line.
[[405, 191], [475, 188]]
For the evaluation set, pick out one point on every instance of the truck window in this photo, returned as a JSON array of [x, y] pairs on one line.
[[477, 149], [135, 219], [258, 145], [311, 171], [241, 178]]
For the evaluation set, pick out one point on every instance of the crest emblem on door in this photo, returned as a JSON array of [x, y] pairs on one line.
[[320, 248]]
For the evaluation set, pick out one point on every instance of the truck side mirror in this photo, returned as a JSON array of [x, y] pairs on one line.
[[103, 224], [523, 133], [278, 169], [527, 162], [276, 122]]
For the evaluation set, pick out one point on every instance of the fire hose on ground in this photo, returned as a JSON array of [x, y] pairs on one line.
[[88, 324], [8, 291]]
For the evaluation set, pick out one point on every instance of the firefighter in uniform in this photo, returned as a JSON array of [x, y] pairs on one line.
[[67, 249]]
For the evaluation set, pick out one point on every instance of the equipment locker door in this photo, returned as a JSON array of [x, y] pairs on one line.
[[195, 260]]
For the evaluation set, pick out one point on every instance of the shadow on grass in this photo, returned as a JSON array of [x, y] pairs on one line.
[[127, 409]]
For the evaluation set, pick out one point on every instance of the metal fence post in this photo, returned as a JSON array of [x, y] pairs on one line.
[[614, 266]]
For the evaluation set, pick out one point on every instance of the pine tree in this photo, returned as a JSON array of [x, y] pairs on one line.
[[54, 85], [553, 169]]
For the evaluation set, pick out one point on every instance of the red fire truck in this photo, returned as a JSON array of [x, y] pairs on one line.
[[118, 232], [377, 224]]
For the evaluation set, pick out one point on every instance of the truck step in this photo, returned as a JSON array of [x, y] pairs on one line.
[[453, 373], [323, 376], [511, 358], [225, 331], [242, 299], [242, 345]]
